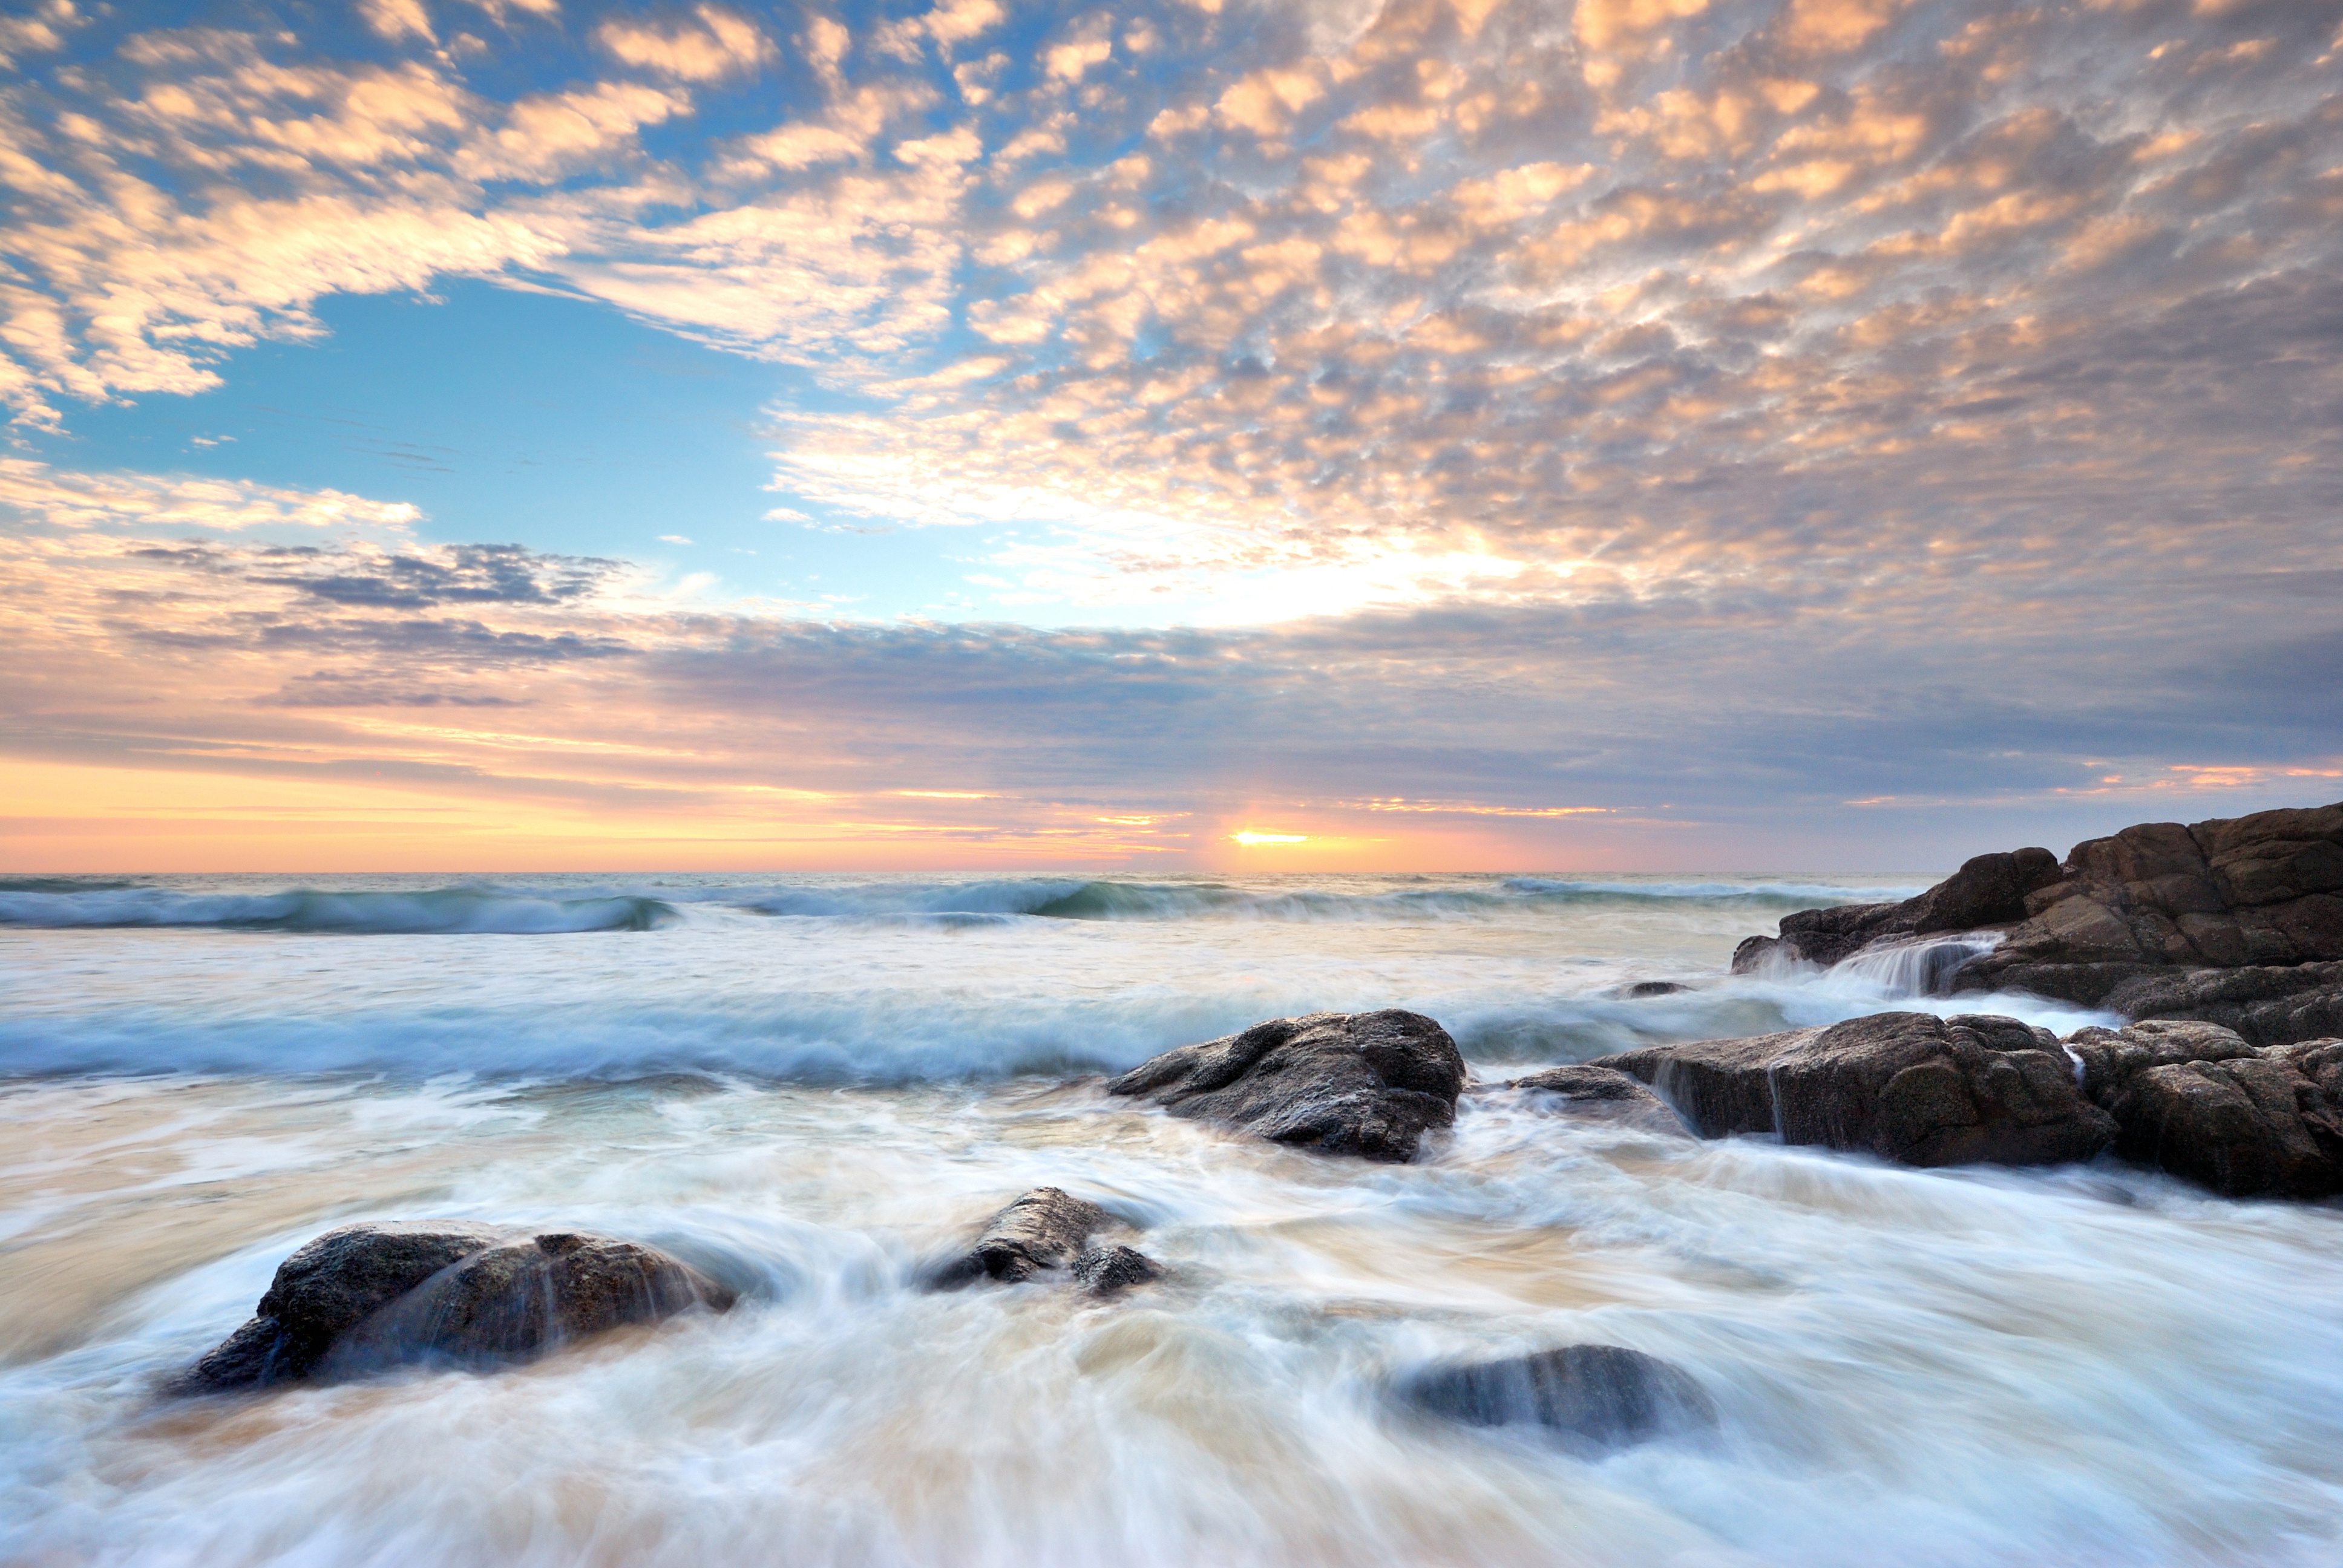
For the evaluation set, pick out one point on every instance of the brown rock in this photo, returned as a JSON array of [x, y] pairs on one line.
[[368, 1296], [1906, 1086], [2195, 1100]]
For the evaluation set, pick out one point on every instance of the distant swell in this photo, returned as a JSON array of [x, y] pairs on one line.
[[1067, 899], [466, 911]]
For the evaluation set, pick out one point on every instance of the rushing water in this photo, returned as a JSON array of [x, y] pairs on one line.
[[809, 1085]]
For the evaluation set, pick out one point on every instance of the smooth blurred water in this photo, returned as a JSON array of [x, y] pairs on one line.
[[810, 1084]]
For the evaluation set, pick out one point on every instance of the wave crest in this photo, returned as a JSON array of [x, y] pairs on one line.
[[454, 911]]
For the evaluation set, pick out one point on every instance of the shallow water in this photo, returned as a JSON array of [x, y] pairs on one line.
[[809, 1085]]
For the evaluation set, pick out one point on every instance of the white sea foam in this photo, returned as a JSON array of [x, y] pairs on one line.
[[2001, 1369]]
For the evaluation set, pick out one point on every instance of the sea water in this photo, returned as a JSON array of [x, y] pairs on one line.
[[809, 1086]]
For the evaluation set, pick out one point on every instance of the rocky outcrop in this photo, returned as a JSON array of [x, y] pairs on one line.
[[366, 1297], [1602, 1094], [1906, 1086], [1605, 1395], [2202, 1103], [1048, 1231], [2264, 892], [1364, 1083], [2238, 920], [1989, 890]]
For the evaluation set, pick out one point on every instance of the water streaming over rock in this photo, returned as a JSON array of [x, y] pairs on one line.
[[811, 1088]]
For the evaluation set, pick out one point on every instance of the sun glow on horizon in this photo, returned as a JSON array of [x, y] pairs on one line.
[[1251, 838]]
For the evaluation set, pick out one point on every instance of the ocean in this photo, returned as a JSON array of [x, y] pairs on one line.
[[812, 1086]]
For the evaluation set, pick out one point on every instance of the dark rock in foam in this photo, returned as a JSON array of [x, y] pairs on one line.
[[1606, 1396], [1906, 1086], [1365, 1083], [369, 1296], [1046, 1230]]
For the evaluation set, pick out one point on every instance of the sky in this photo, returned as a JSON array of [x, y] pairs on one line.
[[1843, 435]]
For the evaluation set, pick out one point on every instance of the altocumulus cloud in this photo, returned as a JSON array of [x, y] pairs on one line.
[[1708, 412]]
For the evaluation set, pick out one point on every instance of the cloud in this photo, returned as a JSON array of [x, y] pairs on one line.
[[1621, 725], [38, 494], [397, 19], [1896, 339], [715, 43]]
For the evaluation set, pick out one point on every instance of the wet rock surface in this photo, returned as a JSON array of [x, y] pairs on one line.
[[1046, 1229], [2199, 1102], [1603, 1093], [1369, 1083], [366, 1297], [1603, 1395], [1107, 1271], [1906, 1086]]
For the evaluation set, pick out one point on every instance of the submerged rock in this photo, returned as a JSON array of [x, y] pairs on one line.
[[1605, 1093], [1604, 1394], [1045, 1231], [2198, 1101], [366, 1297], [1906, 1086], [1363, 1083]]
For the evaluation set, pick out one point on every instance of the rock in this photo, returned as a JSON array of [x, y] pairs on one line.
[[1906, 1086], [369, 1296], [1042, 1230], [1606, 1094], [2235, 921], [1108, 1271], [1986, 891], [1364, 1083], [1641, 989], [1604, 1394], [2198, 1101], [2265, 1004]]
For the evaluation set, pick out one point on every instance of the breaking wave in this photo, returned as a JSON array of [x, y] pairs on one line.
[[56, 904]]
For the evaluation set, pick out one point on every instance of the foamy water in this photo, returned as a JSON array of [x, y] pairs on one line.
[[810, 1085]]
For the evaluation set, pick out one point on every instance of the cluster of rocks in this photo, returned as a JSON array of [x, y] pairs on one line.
[[365, 1297], [2192, 1098], [2223, 941], [2237, 921]]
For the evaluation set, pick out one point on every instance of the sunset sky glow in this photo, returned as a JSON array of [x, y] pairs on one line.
[[1839, 434]]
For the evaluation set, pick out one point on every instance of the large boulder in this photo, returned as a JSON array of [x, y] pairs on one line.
[[1048, 1231], [2198, 1101], [1906, 1086], [1600, 1094], [1605, 1395], [1364, 1083], [369, 1296]]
